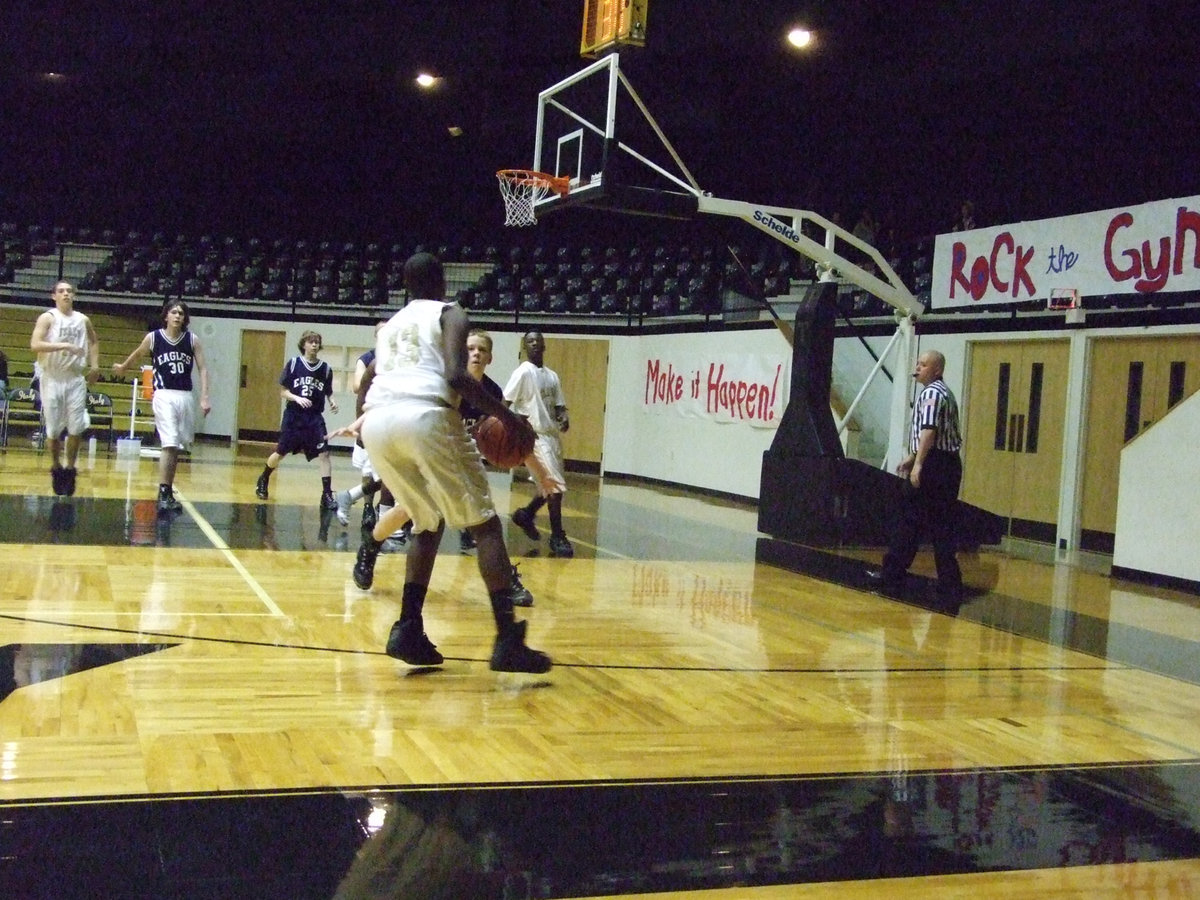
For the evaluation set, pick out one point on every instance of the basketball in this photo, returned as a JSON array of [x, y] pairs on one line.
[[499, 446]]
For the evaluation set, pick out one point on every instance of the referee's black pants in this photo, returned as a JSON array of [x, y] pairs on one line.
[[928, 513]]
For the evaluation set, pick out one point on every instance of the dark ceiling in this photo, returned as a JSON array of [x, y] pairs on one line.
[[302, 117]]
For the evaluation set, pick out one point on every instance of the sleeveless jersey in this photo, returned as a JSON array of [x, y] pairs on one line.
[[172, 361], [70, 329], [314, 382], [408, 357]]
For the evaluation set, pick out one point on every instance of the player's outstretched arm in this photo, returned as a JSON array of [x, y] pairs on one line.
[[351, 430], [141, 350]]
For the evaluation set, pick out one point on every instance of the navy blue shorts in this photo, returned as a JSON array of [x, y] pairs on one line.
[[307, 438]]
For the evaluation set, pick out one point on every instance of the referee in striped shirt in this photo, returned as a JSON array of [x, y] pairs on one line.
[[933, 470]]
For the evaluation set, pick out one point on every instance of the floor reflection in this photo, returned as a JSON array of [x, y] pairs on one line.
[[103, 522], [1121, 643], [545, 841]]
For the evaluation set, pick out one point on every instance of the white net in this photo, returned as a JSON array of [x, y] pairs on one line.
[[521, 189]]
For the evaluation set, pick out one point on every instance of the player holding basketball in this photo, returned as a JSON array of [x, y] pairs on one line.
[[393, 519], [305, 383], [535, 393], [418, 444], [479, 357], [174, 352], [68, 359]]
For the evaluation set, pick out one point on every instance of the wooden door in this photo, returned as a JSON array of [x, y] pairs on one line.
[[259, 406], [1133, 382], [1013, 444], [582, 366]]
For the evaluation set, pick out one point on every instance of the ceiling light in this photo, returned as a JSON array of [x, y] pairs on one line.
[[800, 37]]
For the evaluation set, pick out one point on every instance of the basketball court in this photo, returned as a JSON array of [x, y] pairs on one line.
[[199, 705]]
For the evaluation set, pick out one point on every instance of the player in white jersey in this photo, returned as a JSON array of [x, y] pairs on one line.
[[535, 393], [68, 359], [418, 444]]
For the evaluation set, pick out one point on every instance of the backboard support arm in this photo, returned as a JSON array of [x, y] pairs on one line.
[[803, 231]]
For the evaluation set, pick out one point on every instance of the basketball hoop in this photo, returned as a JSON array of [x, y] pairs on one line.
[[522, 188]]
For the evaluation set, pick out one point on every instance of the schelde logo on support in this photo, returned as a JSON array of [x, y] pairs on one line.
[[784, 231]]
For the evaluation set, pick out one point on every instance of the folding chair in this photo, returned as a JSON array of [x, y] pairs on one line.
[[100, 411], [22, 406]]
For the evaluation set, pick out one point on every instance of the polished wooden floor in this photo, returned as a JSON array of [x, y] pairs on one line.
[[226, 653]]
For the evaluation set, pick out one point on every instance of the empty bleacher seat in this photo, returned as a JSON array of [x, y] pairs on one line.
[[664, 305], [533, 303]]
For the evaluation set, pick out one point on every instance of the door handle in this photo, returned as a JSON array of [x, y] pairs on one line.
[[243, 384], [1012, 432], [1020, 434]]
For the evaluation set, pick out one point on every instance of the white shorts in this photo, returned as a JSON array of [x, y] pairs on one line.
[[64, 405], [174, 417], [546, 465], [361, 460], [429, 463]]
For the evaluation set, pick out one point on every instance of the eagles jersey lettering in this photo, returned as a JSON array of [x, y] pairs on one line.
[[172, 361], [313, 382]]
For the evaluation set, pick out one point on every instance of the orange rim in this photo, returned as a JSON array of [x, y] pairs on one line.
[[560, 184]]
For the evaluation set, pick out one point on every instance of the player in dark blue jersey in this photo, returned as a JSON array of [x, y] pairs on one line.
[[305, 383], [174, 353], [479, 357]]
